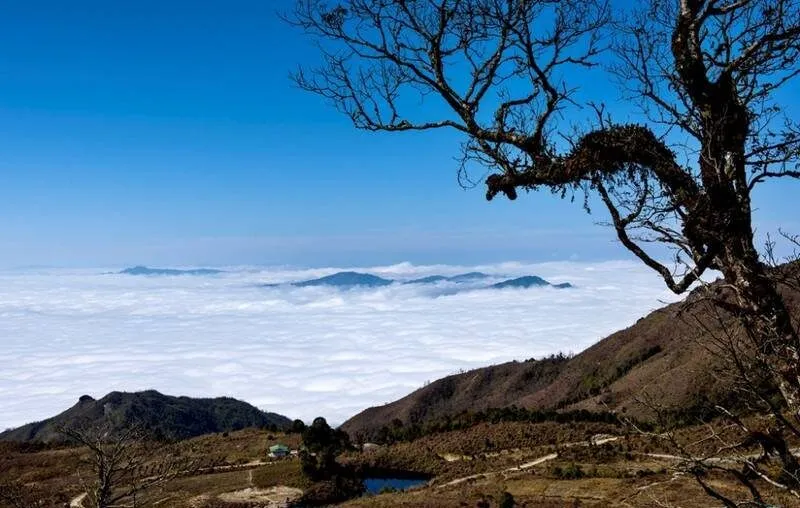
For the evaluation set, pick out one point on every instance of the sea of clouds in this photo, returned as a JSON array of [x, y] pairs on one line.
[[302, 352]]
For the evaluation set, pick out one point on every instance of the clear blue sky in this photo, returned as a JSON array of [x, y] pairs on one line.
[[168, 132]]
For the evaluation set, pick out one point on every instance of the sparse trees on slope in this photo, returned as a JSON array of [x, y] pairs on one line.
[[704, 72]]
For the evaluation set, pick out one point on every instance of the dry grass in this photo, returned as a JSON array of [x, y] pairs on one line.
[[613, 474], [238, 447], [52, 471]]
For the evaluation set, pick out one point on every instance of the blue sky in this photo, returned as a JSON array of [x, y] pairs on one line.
[[169, 133]]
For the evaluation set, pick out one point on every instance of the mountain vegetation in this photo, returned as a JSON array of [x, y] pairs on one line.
[[156, 416]]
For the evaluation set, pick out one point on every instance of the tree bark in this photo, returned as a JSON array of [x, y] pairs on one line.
[[763, 310], [765, 316]]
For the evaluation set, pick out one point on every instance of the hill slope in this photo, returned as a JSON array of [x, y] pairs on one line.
[[663, 355], [161, 416]]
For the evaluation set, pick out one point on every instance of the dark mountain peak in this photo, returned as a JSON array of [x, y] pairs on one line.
[[346, 279], [145, 270], [161, 416], [526, 281]]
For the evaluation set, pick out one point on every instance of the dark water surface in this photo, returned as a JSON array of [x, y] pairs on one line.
[[374, 484]]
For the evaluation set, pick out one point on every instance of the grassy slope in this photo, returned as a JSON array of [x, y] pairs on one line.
[[52, 470], [663, 355], [618, 473]]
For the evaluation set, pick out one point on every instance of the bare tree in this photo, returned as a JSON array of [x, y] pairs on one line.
[[741, 435], [123, 464], [706, 74]]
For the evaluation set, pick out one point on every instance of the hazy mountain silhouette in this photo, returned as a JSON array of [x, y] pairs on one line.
[[431, 279], [468, 277], [346, 279], [144, 270], [358, 279], [521, 282], [462, 277], [528, 281]]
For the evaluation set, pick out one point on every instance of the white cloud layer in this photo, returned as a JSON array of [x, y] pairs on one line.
[[302, 352]]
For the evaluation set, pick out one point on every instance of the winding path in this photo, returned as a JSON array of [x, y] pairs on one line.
[[596, 440], [77, 501]]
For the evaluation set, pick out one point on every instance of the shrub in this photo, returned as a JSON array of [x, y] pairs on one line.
[[335, 490], [570, 472], [507, 500]]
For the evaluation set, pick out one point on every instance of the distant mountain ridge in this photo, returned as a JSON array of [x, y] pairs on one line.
[[160, 416], [431, 279], [468, 277], [350, 279], [345, 279], [522, 282], [529, 281], [462, 277], [145, 270]]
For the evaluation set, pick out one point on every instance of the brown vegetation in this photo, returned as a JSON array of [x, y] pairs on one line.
[[664, 355]]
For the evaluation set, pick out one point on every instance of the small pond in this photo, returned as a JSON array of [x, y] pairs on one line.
[[375, 485]]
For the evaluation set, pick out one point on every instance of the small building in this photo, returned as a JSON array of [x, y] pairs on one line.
[[279, 451]]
